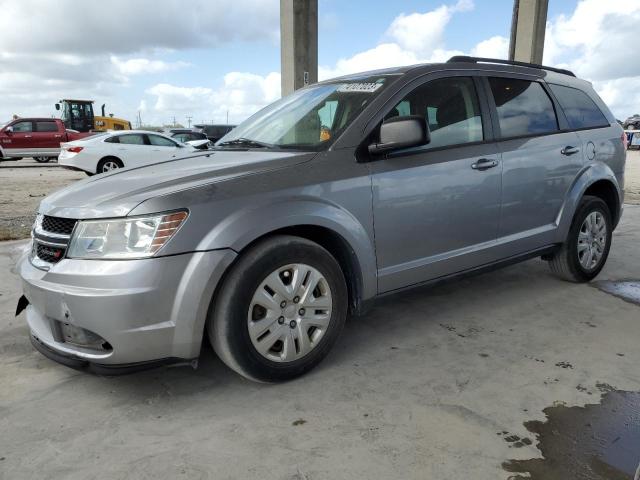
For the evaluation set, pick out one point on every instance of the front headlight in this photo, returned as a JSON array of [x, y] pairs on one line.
[[122, 238]]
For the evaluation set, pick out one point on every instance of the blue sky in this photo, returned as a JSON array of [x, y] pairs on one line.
[[219, 56]]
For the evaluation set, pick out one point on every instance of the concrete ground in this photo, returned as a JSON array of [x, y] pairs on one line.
[[431, 384]]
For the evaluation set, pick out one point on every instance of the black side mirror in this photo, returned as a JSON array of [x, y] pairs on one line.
[[57, 106], [401, 132]]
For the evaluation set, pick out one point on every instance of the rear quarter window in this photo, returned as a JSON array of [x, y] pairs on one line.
[[580, 110]]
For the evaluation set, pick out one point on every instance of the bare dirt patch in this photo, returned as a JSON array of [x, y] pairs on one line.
[[632, 178], [21, 191]]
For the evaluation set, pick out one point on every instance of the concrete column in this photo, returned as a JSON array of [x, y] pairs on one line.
[[527, 30], [298, 43]]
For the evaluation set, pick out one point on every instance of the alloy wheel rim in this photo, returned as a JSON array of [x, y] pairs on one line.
[[109, 166], [290, 312], [592, 240]]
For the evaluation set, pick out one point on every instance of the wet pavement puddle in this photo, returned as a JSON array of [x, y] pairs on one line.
[[628, 290], [595, 442]]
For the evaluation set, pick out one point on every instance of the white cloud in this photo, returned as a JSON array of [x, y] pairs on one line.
[[413, 38], [140, 66], [594, 42], [125, 26], [494, 47], [421, 33], [51, 50], [241, 95]]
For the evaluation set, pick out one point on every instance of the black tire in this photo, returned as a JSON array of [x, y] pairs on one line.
[[565, 262], [42, 159], [228, 319], [107, 160]]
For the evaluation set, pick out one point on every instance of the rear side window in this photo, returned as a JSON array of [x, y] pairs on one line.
[[134, 139], [524, 108], [450, 107], [113, 140], [580, 110], [46, 127]]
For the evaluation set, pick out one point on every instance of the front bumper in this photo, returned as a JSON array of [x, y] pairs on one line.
[[149, 310]]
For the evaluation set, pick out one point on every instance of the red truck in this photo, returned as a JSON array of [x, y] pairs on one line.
[[39, 138]]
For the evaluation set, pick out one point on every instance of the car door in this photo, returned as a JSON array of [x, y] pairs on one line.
[[132, 149], [19, 141], [539, 161], [162, 148], [46, 137], [437, 207]]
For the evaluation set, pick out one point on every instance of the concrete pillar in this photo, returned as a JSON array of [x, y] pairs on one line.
[[298, 43], [527, 30]]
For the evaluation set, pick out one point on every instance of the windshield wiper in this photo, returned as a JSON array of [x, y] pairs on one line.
[[245, 142]]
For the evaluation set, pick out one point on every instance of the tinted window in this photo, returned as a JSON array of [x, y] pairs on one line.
[[159, 141], [46, 127], [524, 108], [449, 106], [133, 139], [113, 140], [22, 127], [580, 110]]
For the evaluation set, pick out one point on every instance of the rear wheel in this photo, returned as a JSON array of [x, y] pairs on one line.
[[109, 163], [42, 159], [586, 248], [280, 309]]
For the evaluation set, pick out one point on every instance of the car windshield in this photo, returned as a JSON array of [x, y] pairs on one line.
[[310, 118]]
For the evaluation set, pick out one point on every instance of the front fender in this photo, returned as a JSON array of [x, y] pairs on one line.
[[588, 176], [243, 226]]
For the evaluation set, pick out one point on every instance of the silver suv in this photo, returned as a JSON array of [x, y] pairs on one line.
[[344, 191]]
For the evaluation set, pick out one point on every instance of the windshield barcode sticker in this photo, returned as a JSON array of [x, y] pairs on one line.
[[359, 87]]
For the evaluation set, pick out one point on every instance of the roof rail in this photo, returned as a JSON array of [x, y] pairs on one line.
[[468, 59]]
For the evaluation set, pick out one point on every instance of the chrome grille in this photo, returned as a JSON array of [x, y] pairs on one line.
[[51, 237]]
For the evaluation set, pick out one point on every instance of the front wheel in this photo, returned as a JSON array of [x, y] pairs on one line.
[[586, 248], [280, 309], [42, 159]]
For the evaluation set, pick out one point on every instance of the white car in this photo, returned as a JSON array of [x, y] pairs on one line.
[[129, 148]]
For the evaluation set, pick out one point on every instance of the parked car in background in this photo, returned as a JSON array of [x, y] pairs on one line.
[[112, 150], [35, 137], [632, 123], [214, 132], [338, 194], [197, 139]]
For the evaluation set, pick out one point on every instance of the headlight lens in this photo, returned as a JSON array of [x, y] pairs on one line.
[[136, 237]]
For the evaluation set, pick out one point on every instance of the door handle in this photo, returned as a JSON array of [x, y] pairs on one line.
[[57, 136], [484, 164], [569, 150], [27, 136]]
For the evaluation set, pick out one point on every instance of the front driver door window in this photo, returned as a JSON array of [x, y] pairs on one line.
[[435, 214]]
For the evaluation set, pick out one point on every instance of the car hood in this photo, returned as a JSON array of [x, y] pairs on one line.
[[115, 194]]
